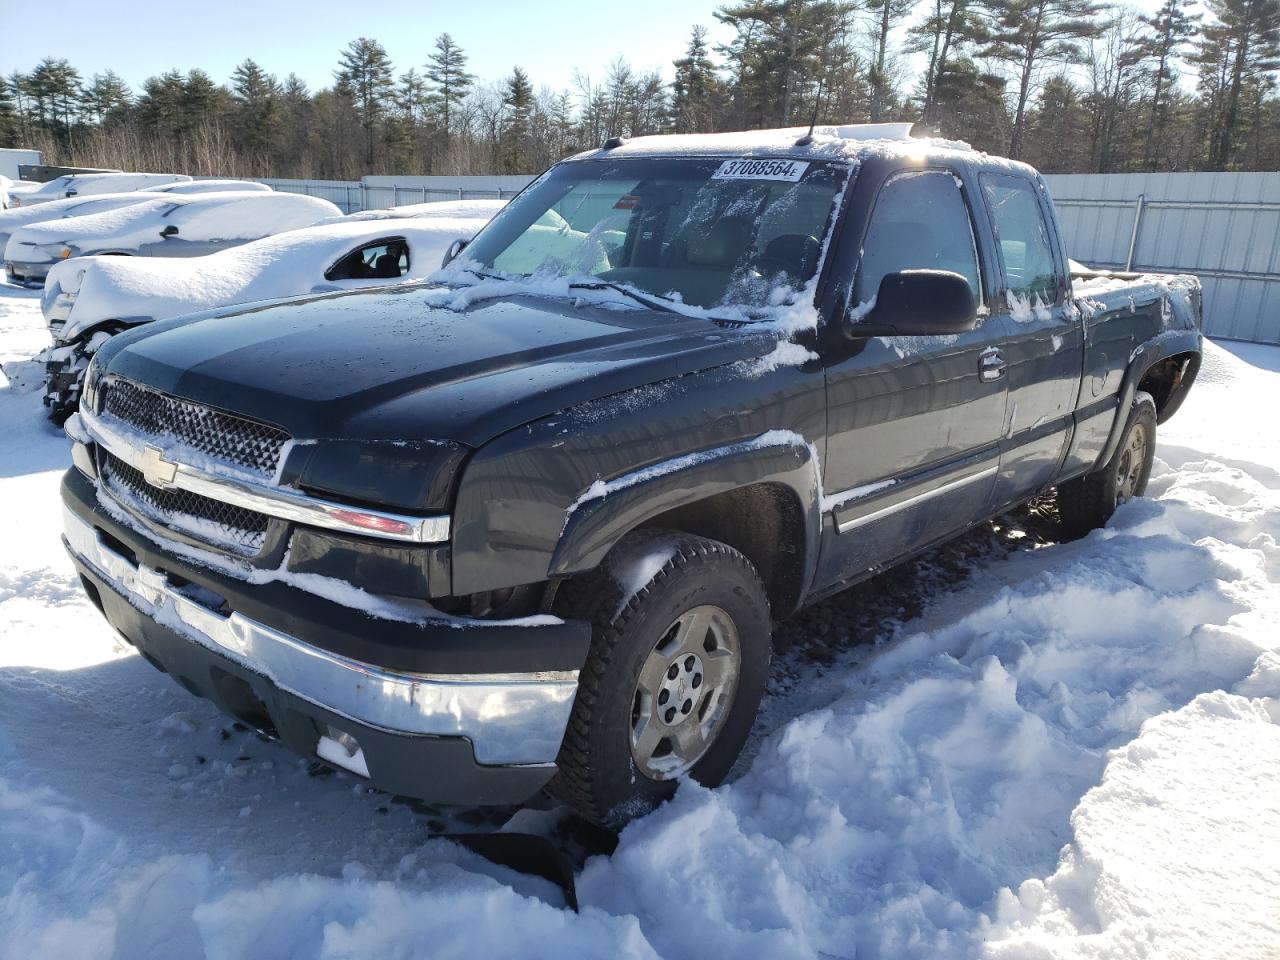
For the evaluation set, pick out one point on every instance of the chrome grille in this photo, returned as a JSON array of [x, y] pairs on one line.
[[212, 521], [221, 436]]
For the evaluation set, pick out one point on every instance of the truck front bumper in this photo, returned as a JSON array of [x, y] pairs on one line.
[[448, 738]]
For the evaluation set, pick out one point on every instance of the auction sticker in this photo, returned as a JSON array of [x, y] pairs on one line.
[[761, 170]]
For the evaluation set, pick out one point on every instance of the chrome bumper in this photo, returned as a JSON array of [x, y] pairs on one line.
[[509, 718]]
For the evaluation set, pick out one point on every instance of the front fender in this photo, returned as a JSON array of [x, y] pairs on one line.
[[607, 511], [530, 504]]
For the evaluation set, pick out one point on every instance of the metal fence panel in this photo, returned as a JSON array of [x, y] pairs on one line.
[[1223, 227], [345, 193]]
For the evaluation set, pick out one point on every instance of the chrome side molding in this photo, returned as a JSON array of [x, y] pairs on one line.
[[870, 516]]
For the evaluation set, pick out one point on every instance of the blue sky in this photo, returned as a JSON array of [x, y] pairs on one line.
[[141, 38]]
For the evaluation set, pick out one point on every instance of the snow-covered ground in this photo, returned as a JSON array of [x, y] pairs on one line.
[[1051, 751]]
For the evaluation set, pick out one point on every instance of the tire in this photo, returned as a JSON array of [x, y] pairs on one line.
[[637, 726], [1088, 502]]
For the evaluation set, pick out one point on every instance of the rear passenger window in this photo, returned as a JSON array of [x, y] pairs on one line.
[[920, 222], [1023, 236]]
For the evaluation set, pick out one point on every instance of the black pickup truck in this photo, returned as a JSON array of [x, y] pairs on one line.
[[528, 524]]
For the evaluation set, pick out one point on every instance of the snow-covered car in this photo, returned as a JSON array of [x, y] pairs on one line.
[[16, 190], [88, 300], [17, 217], [84, 184], [161, 226], [211, 186]]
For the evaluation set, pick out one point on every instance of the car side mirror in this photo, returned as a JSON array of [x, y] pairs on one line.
[[169, 231], [455, 248], [918, 303]]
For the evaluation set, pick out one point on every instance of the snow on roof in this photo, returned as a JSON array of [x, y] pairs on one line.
[[835, 141]]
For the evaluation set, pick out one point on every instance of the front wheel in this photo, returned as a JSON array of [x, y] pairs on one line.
[[678, 662], [1088, 502]]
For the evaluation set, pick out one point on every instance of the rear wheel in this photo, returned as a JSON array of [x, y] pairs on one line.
[[678, 662], [1088, 502]]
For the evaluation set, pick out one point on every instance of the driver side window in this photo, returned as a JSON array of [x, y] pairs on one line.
[[383, 260], [920, 222]]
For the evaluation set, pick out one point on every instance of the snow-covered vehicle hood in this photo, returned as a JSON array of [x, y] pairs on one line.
[[481, 209], [184, 187], [291, 264], [419, 361]]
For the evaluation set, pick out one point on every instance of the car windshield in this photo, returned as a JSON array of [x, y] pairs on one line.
[[707, 232]]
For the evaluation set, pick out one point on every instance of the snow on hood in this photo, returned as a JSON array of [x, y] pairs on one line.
[[284, 265], [16, 217], [211, 186], [124, 223], [483, 209]]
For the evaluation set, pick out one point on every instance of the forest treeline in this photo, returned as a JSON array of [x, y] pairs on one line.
[[1068, 85]]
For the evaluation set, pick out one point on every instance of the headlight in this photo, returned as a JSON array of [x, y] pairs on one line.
[[56, 303], [89, 392]]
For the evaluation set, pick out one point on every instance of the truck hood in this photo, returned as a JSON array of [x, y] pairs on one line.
[[405, 363]]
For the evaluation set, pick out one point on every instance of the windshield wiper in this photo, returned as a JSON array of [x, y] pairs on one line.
[[627, 292]]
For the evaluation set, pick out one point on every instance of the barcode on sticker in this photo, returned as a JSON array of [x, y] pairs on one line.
[[761, 170]]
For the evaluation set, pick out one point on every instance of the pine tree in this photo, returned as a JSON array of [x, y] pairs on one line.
[[55, 88], [1172, 26], [450, 82], [9, 125], [257, 96], [364, 76], [517, 102], [1059, 129], [970, 104], [1028, 35], [161, 107], [107, 98], [204, 103], [1115, 62], [782, 49], [695, 89], [950, 27], [1248, 31], [887, 14]]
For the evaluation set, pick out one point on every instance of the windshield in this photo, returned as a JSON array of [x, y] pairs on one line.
[[709, 232]]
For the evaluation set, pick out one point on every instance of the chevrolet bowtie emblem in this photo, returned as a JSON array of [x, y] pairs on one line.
[[156, 470]]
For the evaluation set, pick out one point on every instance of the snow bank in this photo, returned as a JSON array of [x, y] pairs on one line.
[[890, 823], [1073, 754]]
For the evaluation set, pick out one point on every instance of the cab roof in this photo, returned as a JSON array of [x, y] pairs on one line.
[[828, 142]]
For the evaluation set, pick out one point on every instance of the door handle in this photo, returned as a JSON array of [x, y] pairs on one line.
[[991, 365]]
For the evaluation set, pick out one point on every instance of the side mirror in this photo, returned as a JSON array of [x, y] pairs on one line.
[[169, 231], [919, 303], [455, 248]]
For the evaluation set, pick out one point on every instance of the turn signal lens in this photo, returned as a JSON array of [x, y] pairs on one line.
[[372, 522], [66, 252]]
